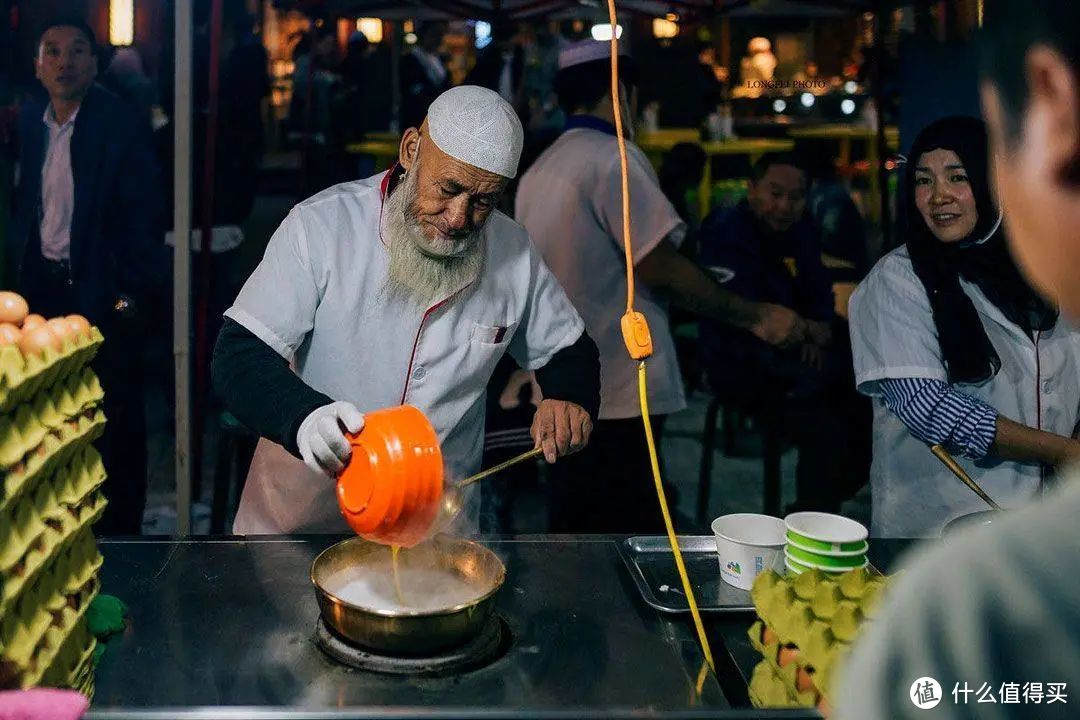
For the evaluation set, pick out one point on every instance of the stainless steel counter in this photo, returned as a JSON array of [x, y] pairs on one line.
[[223, 628]]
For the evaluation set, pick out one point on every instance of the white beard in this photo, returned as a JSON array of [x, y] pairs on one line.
[[418, 272]]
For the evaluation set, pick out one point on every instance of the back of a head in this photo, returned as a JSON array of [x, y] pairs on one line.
[[584, 85], [1010, 29], [683, 164]]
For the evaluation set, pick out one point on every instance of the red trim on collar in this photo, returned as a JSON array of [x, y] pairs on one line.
[[384, 188]]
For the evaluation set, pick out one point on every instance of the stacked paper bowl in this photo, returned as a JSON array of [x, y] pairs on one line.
[[821, 541]]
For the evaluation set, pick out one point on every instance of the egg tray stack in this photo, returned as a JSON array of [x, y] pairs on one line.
[[50, 496], [806, 625]]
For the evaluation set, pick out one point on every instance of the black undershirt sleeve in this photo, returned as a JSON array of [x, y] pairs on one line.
[[573, 375], [258, 387]]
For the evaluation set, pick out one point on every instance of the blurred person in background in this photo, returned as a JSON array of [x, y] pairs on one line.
[[501, 67], [680, 172], [571, 203], [245, 86], [87, 239], [997, 606], [767, 249], [958, 350], [356, 86], [126, 78], [709, 90], [424, 75], [315, 119], [843, 230]]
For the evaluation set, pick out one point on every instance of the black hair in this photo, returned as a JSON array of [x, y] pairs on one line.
[[766, 161], [585, 85], [982, 258], [1010, 29], [77, 23]]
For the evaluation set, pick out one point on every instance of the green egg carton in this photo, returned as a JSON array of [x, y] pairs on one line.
[[45, 408], [73, 667], [86, 389], [818, 612], [61, 654], [20, 432], [23, 628], [22, 377], [58, 553], [34, 645], [22, 533], [84, 474], [24, 429], [57, 450], [769, 689]]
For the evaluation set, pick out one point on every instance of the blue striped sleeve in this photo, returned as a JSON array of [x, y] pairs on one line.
[[938, 414]]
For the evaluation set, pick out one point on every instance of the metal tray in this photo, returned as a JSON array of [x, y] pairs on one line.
[[652, 565]]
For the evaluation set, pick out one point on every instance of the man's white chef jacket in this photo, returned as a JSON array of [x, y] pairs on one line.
[[318, 298]]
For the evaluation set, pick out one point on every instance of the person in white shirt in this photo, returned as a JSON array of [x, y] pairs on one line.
[[958, 350], [992, 614], [403, 288], [570, 202]]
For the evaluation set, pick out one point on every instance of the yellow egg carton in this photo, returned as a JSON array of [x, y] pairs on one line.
[[22, 377], [70, 663], [773, 688], [81, 677], [24, 429], [35, 630], [43, 543], [812, 617], [74, 482], [56, 449], [58, 663]]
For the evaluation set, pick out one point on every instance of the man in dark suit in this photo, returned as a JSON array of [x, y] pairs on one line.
[[88, 238], [767, 249]]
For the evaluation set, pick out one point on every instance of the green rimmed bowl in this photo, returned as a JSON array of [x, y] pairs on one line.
[[825, 532], [819, 548], [797, 568], [804, 565], [793, 567], [825, 562]]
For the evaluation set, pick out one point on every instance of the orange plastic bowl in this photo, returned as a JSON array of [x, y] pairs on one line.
[[391, 490]]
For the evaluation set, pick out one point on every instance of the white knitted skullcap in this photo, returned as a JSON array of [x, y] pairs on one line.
[[588, 50], [476, 126]]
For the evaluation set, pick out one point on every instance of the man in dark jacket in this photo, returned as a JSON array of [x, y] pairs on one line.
[[767, 249], [501, 67], [88, 238]]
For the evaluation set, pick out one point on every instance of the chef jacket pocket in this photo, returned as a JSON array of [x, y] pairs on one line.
[[492, 335]]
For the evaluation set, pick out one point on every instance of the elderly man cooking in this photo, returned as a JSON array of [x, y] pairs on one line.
[[403, 288]]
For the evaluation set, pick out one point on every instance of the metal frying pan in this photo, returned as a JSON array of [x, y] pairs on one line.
[[405, 630]]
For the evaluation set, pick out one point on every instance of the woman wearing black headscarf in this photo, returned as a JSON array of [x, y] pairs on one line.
[[958, 350]]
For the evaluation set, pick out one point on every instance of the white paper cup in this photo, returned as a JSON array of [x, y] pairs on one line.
[[748, 544]]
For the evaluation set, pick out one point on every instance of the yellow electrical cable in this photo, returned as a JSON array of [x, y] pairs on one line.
[[617, 111], [699, 626], [639, 345]]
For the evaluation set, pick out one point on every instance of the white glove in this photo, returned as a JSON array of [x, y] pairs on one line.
[[321, 437]]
